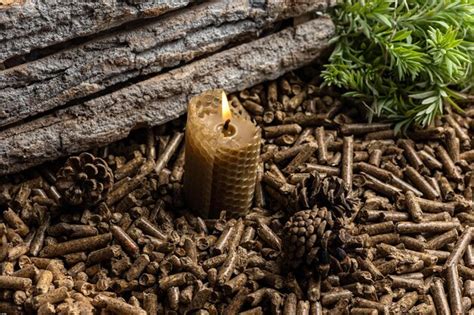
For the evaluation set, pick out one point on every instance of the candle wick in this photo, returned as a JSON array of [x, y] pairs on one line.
[[226, 124]]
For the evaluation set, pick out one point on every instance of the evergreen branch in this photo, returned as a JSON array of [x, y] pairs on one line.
[[403, 59]]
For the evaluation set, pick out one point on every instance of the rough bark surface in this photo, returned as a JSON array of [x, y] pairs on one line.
[[164, 97], [178, 38], [32, 24]]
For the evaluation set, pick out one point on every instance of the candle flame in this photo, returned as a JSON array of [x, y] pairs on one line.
[[226, 113]]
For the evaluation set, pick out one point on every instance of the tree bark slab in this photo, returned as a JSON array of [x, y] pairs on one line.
[[178, 38], [29, 24], [164, 97]]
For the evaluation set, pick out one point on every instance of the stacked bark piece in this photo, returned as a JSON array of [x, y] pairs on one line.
[[75, 98], [31, 25]]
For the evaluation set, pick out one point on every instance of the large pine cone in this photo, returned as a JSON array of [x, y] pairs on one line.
[[306, 237], [84, 180], [317, 240]]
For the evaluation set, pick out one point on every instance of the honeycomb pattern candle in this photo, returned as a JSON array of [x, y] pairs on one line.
[[222, 151]]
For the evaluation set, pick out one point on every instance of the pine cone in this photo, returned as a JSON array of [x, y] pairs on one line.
[[84, 180], [307, 235]]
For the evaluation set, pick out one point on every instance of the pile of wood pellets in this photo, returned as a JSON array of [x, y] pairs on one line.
[[139, 251]]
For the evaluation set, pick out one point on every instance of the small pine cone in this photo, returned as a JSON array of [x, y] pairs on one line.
[[307, 236], [84, 180], [332, 193]]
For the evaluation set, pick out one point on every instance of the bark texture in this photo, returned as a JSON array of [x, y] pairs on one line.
[[164, 97], [31, 24], [35, 87]]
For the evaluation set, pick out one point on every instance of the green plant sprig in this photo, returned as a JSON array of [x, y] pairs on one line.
[[403, 58]]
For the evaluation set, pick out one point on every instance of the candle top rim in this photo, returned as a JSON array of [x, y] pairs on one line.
[[204, 110]]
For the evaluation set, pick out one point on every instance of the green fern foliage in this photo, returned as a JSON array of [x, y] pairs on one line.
[[403, 58]]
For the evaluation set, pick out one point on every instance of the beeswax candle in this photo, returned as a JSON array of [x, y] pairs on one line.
[[222, 150]]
